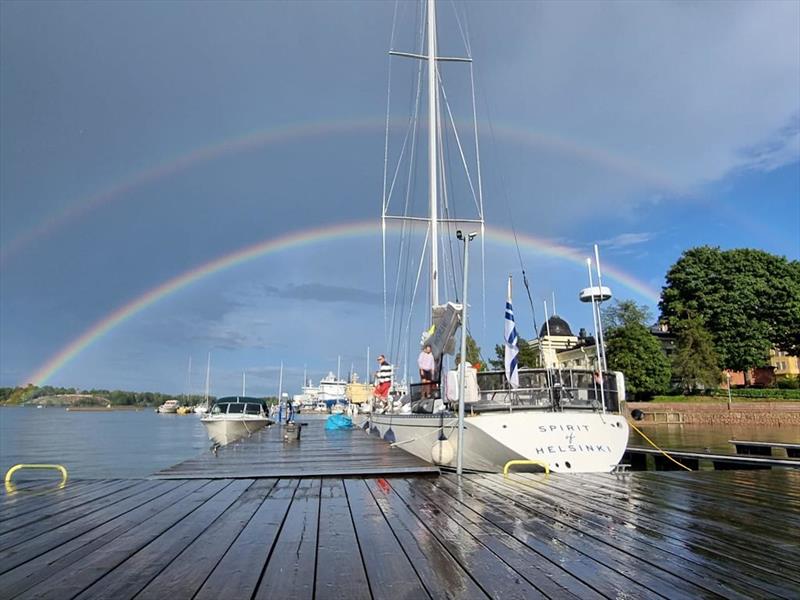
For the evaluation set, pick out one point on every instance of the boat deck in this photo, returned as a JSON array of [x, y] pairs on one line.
[[639, 535], [319, 453]]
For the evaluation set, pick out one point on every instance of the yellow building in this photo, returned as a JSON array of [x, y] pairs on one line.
[[785, 364]]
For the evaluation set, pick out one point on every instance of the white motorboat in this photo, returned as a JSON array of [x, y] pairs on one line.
[[561, 420], [235, 417], [170, 406]]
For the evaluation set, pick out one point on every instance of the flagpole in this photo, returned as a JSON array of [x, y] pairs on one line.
[[511, 340]]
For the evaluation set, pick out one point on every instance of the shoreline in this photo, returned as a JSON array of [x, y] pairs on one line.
[[777, 414]]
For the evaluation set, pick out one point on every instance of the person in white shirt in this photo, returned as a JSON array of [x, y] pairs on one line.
[[427, 368]]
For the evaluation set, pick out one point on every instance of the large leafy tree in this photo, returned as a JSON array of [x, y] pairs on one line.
[[636, 352], [748, 300], [632, 349], [695, 362]]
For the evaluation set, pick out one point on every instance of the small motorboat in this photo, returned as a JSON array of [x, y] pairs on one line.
[[235, 417], [170, 407]]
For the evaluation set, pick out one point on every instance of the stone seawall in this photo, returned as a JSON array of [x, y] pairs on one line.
[[717, 413]]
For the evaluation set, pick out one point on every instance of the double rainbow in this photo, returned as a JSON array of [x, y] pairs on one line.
[[289, 241]]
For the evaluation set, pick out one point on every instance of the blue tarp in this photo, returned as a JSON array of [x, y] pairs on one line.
[[338, 422]]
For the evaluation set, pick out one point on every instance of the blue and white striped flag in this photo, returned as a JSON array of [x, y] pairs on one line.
[[512, 373]]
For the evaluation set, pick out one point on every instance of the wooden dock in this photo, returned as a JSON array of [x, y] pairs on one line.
[[709, 534], [319, 453]]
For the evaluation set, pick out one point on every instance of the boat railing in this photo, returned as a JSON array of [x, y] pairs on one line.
[[547, 388], [544, 389]]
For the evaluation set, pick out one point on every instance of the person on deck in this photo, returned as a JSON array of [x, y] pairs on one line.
[[383, 379], [427, 366]]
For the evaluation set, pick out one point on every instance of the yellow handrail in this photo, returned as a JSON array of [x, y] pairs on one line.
[[539, 463], [10, 487]]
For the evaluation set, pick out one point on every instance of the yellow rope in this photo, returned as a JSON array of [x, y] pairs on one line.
[[653, 444]]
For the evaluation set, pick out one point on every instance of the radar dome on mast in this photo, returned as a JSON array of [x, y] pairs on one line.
[[598, 293]]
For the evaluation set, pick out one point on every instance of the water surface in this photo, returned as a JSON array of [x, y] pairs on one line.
[[711, 438], [99, 444], [130, 444]]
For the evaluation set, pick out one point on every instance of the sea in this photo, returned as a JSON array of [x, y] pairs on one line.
[[103, 444], [136, 444]]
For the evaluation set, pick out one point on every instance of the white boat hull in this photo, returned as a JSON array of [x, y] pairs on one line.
[[566, 442], [223, 431]]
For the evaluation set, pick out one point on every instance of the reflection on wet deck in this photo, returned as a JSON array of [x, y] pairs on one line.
[[319, 453], [639, 535]]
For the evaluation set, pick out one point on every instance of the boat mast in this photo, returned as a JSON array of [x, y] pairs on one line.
[[280, 385], [433, 122], [189, 380], [208, 376]]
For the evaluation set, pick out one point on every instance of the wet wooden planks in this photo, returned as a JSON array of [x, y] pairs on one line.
[[639, 535], [319, 453]]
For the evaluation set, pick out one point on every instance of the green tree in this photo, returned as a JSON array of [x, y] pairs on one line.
[[473, 351], [527, 357], [748, 300], [633, 350], [695, 362], [625, 312]]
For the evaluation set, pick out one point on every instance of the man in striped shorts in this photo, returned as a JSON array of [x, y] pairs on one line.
[[383, 377]]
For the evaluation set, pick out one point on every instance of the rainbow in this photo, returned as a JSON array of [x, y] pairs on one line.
[[294, 240], [295, 132]]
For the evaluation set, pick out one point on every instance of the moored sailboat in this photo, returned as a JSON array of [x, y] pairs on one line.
[[563, 420]]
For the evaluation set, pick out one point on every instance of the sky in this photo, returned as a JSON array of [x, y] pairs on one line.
[[184, 179]]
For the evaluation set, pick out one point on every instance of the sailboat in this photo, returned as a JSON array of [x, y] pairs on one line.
[[561, 420], [202, 409]]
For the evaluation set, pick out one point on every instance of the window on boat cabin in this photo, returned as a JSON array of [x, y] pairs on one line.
[[235, 408], [218, 409], [251, 409]]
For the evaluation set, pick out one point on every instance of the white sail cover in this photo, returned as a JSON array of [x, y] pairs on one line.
[[512, 373]]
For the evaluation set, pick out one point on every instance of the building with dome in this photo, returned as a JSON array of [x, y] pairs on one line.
[[558, 348]]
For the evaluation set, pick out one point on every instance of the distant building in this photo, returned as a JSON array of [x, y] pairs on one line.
[[561, 349], [785, 365], [760, 376], [782, 365], [558, 348], [666, 338]]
